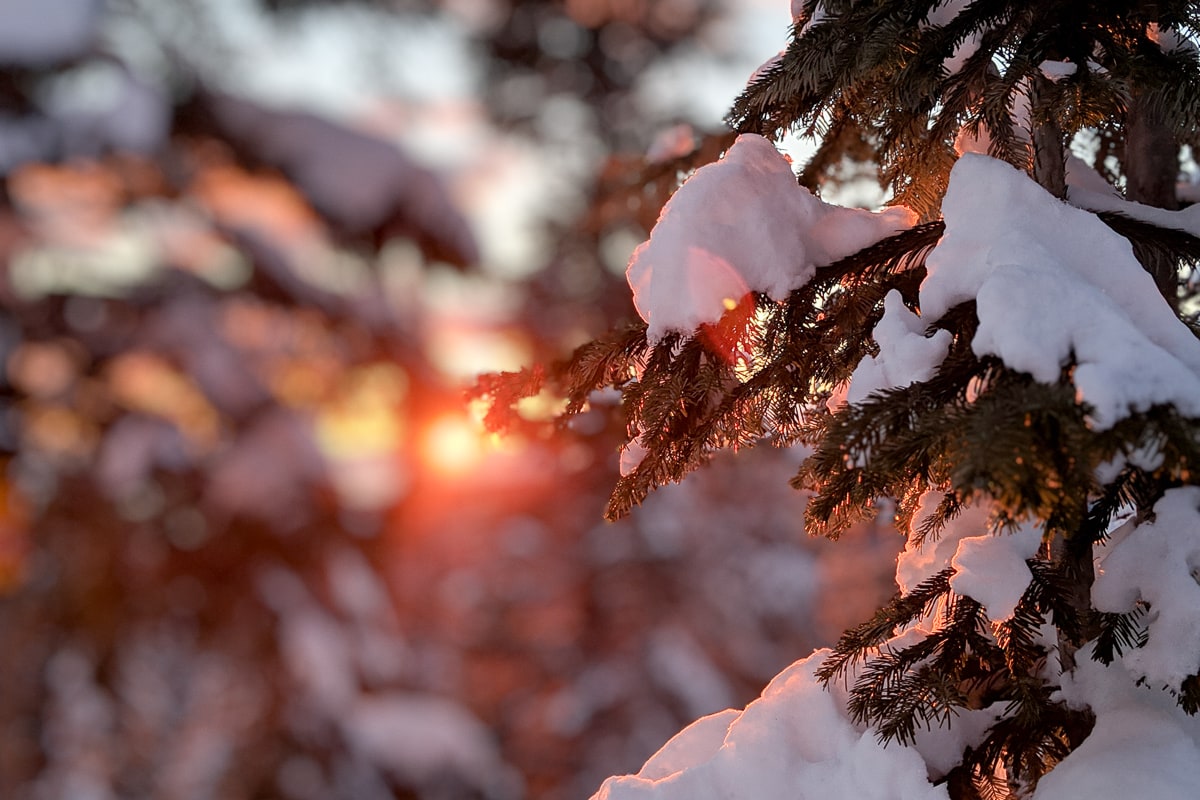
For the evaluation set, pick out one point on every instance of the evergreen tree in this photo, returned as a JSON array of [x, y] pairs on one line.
[[1013, 369]]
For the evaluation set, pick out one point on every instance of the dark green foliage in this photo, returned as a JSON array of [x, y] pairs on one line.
[[1034, 735], [1120, 633], [752, 376], [960, 665], [899, 690], [857, 643], [832, 77], [1189, 694]]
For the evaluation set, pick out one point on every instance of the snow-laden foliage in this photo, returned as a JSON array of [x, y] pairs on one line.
[[1153, 566], [742, 225], [1053, 286], [1018, 377]]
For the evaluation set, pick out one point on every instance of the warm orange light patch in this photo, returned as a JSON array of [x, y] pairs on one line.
[[69, 204], [541, 407], [363, 419], [148, 383], [263, 202], [359, 427], [453, 446]]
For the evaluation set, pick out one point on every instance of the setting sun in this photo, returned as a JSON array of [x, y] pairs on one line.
[[452, 445]]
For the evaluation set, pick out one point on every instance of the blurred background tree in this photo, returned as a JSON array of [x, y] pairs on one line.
[[250, 544]]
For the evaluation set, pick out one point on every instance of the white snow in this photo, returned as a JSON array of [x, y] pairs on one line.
[[991, 569], [633, 453], [699, 742], [906, 354], [1053, 286], [1157, 562], [1169, 39], [1052, 282], [795, 742], [967, 142], [1133, 753], [942, 746], [740, 225], [1082, 178], [1143, 744], [1097, 195], [919, 563]]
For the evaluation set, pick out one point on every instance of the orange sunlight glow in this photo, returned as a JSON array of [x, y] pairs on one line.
[[453, 445]]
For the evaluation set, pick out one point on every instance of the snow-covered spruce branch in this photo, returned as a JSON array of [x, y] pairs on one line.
[[1018, 374]]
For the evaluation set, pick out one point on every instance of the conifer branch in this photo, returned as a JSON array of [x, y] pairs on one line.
[[1119, 633], [857, 643]]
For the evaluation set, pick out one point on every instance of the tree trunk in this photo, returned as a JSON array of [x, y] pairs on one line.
[[1151, 167], [1046, 139], [1151, 155], [1074, 558]]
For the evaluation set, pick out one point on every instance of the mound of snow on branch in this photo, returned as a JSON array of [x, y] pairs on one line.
[[1053, 283], [793, 742], [1053, 286], [1088, 189], [742, 224], [905, 354], [1143, 744], [989, 568]]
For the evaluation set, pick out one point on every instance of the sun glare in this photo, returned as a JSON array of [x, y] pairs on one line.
[[453, 445]]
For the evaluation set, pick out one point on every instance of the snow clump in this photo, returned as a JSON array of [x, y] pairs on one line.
[[1052, 283], [742, 224], [906, 355], [1143, 744], [989, 568], [1157, 562], [794, 741]]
